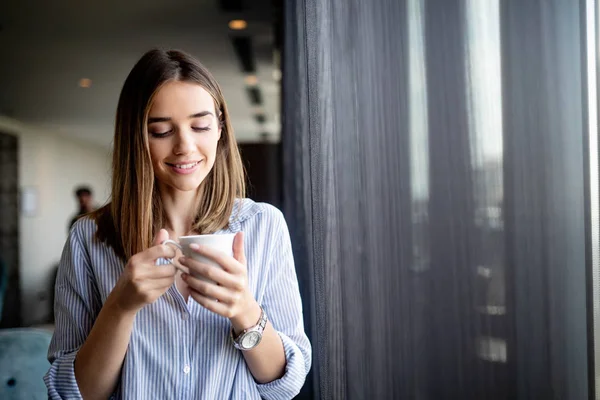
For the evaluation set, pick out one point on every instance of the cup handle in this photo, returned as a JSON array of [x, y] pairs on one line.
[[174, 243]]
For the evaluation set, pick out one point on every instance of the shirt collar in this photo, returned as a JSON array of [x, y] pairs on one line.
[[243, 209]]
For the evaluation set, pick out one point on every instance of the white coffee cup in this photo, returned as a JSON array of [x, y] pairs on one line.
[[220, 242]]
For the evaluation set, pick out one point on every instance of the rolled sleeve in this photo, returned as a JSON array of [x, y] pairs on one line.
[[291, 382], [60, 379], [283, 305], [76, 306]]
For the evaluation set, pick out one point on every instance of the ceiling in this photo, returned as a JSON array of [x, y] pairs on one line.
[[48, 46]]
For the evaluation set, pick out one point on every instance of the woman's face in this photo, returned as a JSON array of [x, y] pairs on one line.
[[183, 132]]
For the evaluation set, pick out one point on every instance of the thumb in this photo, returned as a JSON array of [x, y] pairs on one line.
[[160, 237], [238, 248]]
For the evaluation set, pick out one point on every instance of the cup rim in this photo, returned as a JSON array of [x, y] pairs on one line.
[[206, 235]]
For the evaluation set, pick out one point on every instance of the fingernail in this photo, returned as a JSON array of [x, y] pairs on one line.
[[182, 259], [194, 246]]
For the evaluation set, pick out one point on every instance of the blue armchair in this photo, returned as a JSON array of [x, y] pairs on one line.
[[23, 363]]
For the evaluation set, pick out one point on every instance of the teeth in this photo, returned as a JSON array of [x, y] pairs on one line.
[[186, 166]]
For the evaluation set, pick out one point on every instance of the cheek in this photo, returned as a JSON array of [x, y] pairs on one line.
[[159, 149], [208, 145], [156, 155]]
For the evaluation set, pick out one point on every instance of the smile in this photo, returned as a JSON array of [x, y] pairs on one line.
[[184, 168]]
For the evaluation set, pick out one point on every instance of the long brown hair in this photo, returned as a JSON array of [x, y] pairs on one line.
[[134, 215]]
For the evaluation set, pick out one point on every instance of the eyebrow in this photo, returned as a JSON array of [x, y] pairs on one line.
[[152, 120]]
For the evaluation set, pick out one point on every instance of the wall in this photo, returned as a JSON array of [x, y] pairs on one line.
[[263, 169], [53, 165]]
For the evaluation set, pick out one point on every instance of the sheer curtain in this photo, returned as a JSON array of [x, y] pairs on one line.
[[436, 165]]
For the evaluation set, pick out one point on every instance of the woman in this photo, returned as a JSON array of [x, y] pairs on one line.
[[128, 323]]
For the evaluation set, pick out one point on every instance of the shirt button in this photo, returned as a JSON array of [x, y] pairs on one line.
[[186, 369], [184, 316]]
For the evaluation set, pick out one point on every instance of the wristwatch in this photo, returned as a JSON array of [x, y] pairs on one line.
[[251, 337]]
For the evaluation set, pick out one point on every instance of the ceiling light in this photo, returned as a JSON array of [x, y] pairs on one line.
[[237, 24], [85, 82], [251, 80]]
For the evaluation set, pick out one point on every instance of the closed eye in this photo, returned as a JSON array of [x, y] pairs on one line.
[[160, 134], [167, 133]]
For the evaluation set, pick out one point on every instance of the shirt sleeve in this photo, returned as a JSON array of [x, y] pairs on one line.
[[283, 306], [76, 306]]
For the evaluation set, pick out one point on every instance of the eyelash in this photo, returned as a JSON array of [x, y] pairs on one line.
[[165, 134]]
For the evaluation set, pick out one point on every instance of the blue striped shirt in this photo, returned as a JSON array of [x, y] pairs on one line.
[[181, 350]]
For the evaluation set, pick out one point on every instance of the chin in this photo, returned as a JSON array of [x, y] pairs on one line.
[[187, 186]]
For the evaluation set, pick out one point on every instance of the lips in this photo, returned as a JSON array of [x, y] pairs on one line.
[[184, 165]]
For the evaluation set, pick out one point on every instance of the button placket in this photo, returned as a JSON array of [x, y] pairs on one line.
[[186, 320], [185, 327]]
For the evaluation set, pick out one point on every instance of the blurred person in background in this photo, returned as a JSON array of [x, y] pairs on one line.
[[129, 324], [85, 199]]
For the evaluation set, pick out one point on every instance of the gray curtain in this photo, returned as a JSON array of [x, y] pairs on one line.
[[434, 182]]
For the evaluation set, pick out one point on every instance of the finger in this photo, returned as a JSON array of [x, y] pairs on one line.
[[159, 251], [178, 265], [160, 237], [210, 304], [238, 248], [161, 283], [156, 272], [227, 262], [213, 273], [162, 271], [157, 284], [211, 290]]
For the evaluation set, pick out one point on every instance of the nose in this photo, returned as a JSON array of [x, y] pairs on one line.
[[184, 142]]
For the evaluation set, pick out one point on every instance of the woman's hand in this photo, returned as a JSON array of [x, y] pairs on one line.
[[142, 281], [229, 295]]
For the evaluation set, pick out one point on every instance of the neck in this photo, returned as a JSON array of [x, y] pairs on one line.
[[180, 212]]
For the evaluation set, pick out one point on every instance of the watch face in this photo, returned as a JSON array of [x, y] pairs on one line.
[[250, 340]]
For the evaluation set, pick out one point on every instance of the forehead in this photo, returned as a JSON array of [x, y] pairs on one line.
[[176, 98]]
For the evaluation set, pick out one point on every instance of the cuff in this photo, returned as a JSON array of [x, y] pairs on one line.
[[291, 382], [60, 379]]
